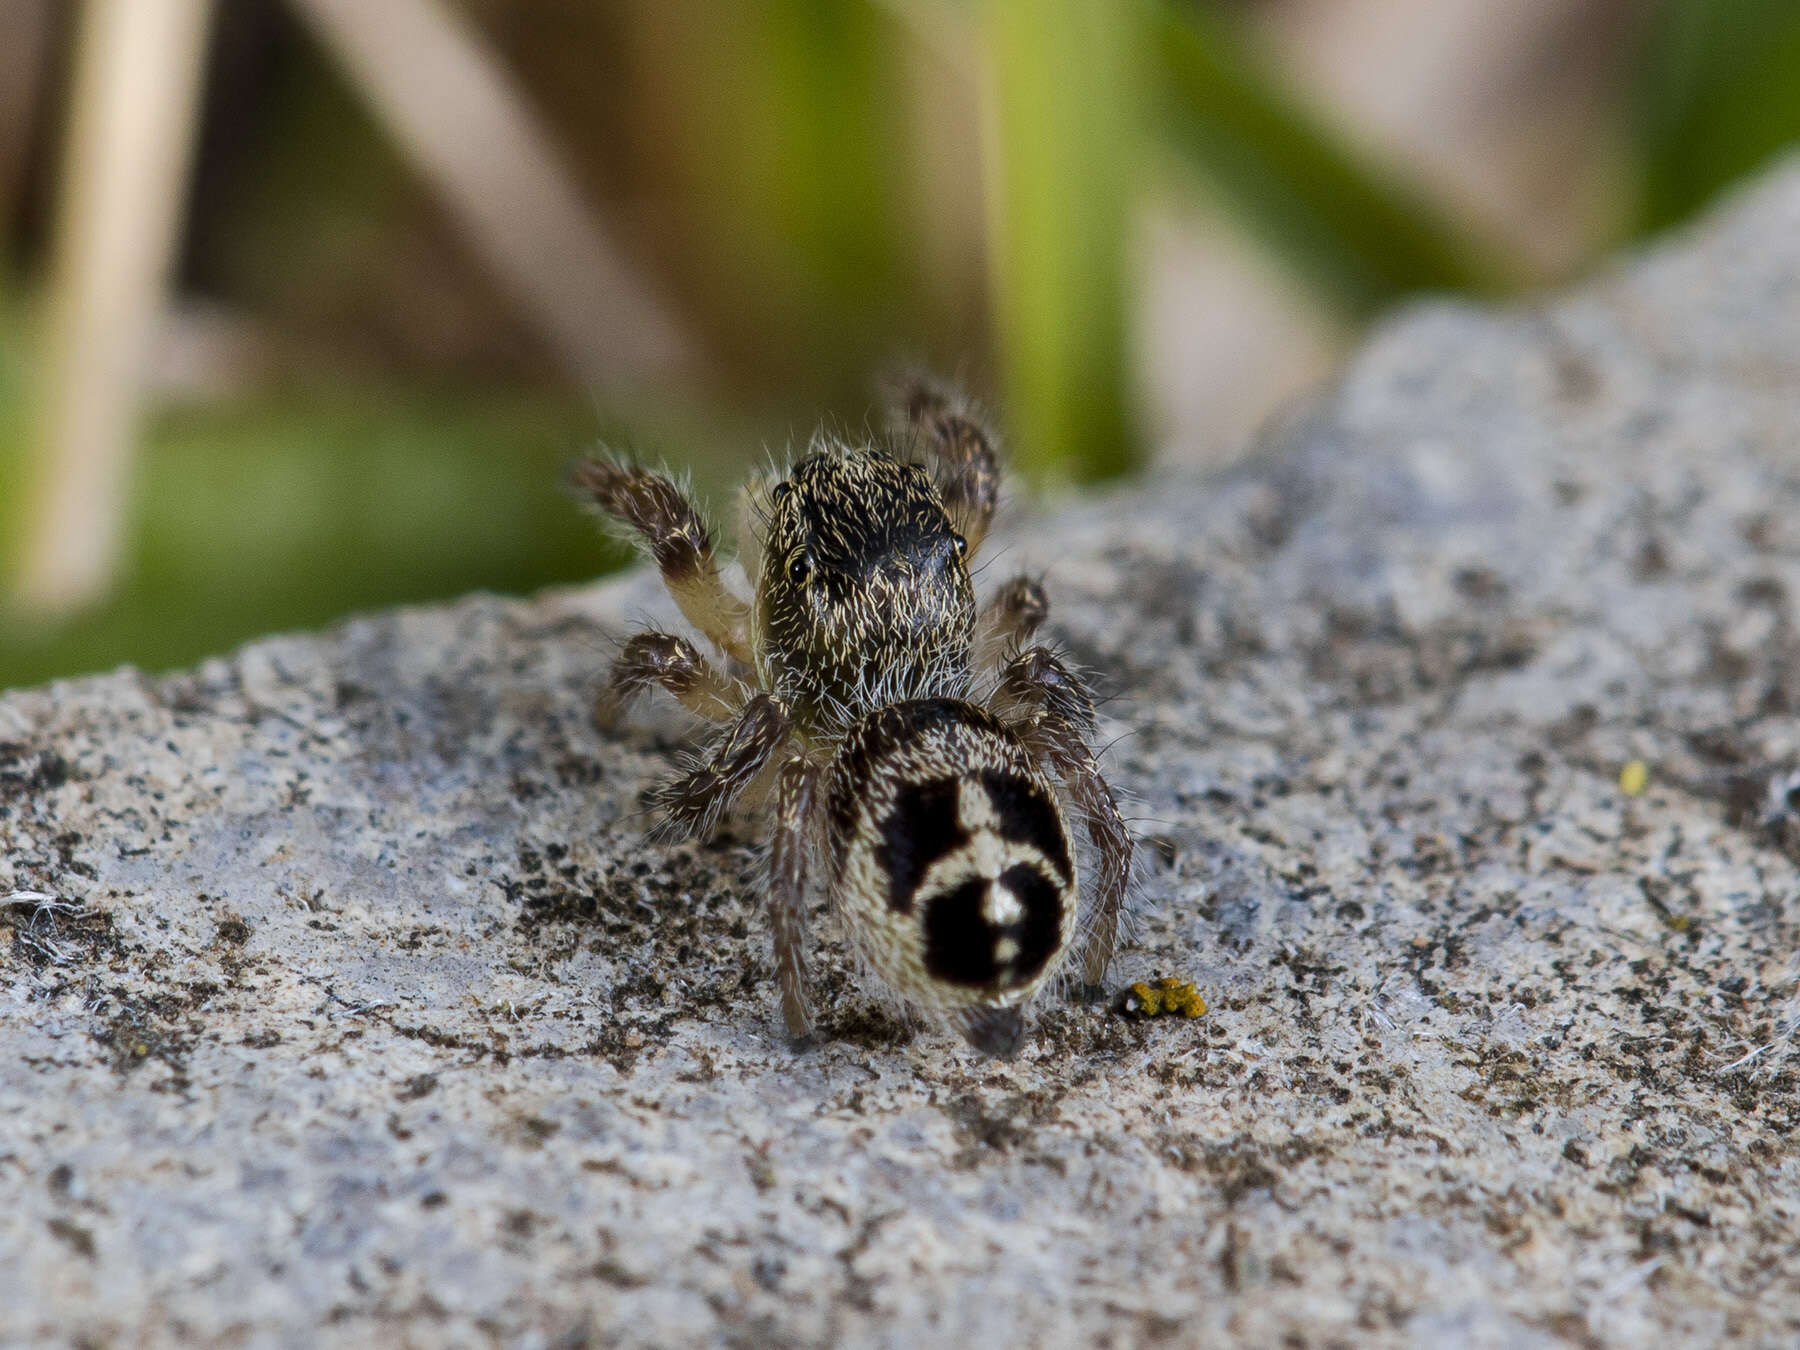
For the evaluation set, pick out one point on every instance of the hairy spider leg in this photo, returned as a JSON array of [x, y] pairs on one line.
[[963, 463], [1055, 716], [671, 530], [1012, 614], [796, 796], [1036, 680], [694, 802], [662, 660]]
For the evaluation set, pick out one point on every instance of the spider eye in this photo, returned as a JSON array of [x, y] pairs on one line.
[[799, 568], [781, 491], [960, 544]]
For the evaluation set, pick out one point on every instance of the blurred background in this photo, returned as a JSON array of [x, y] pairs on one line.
[[305, 304]]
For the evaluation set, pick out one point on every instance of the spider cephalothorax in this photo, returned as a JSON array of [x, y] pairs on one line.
[[922, 761], [863, 596]]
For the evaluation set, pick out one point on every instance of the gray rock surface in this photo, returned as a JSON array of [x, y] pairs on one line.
[[362, 1012]]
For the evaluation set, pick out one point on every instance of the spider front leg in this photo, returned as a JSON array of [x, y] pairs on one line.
[[1054, 715], [964, 465], [693, 803], [1012, 614], [665, 661], [796, 794], [670, 529]]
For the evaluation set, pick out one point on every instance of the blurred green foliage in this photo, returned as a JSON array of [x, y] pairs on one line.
[[787, 164], [1063, 170], [781, 138], [284, 514], [1720, 96]]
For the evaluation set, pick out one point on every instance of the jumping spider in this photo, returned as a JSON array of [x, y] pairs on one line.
[[915, 746]]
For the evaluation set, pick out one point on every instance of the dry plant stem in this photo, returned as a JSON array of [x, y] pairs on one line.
[[453, 112], [137, 79], [27, 28]]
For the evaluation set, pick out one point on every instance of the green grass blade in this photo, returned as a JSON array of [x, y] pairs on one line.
[[1720, 96], [1062, 160]]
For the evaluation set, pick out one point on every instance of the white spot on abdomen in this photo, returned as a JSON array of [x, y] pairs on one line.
[[1001, 907]]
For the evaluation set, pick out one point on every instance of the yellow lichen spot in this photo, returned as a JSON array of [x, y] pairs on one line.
[[1164, 998], [1634, 778], [1182, 999]]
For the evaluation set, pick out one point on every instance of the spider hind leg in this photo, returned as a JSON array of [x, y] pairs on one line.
[[796, 793], [1052, 709]]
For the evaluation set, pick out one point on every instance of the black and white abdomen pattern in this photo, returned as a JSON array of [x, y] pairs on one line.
[[981, 865], [952, 847]]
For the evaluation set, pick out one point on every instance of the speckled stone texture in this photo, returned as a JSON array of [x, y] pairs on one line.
[[362, 1013]]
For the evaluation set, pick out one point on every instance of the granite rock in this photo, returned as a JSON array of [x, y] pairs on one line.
[[342, 999]]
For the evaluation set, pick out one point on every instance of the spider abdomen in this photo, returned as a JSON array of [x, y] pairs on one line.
[[950, 855]]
